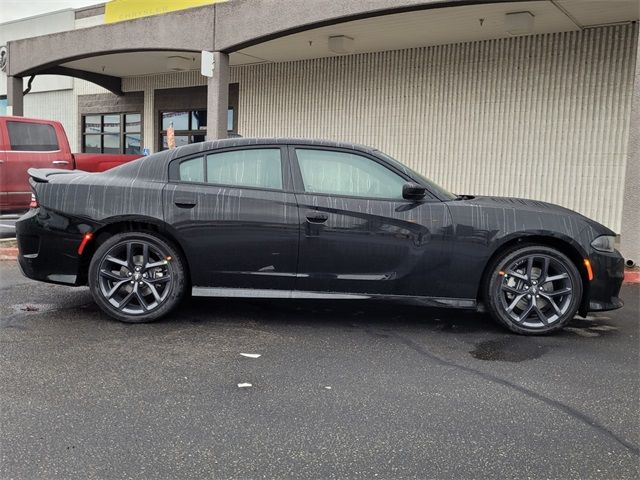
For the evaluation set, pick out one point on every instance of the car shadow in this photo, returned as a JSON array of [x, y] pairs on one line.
[[335, 313]]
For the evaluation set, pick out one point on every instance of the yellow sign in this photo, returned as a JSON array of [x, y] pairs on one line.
[[121, 10]]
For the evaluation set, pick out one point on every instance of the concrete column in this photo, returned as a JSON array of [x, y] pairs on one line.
[[150, 133], [15, 99], [218, 97], [630, 231]]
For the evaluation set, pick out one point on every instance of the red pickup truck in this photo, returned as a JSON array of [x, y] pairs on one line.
[[27, 143]]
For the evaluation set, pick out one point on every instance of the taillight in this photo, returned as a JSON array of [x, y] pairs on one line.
[[34, 201]]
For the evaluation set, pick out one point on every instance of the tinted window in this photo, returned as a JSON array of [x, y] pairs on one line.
[[192, 170], [433, 187], [32, 136], [341, 173], [246, 168]]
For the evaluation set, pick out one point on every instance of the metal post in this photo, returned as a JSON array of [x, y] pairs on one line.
[[15, 99], [218, 97]]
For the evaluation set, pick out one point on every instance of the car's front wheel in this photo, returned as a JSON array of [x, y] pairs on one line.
[[137, 277], [533, 289]]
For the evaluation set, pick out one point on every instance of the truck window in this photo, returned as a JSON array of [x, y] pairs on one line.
[[25, 136]]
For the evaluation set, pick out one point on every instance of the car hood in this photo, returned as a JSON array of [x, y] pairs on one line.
[[521, 203], [536, 207]]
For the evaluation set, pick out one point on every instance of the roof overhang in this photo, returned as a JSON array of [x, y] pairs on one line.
[[255, 32]]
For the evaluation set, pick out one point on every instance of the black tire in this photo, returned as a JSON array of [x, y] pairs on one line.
[[149, 285], [532, 289]]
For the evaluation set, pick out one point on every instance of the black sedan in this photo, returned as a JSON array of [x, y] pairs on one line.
[[285, 218]]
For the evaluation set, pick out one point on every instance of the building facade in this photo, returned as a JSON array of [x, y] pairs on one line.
[[522, 98]]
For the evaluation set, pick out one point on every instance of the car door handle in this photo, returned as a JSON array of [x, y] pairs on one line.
[[185, 202], [60, 162], [313, 216]]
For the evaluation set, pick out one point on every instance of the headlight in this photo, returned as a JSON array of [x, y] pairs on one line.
[[604, 243]]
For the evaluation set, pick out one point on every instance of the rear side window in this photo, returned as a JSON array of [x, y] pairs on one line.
[[254, 167], [261, 168], [25, 136]]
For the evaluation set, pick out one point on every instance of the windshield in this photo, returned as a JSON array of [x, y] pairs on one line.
[[433, 187]]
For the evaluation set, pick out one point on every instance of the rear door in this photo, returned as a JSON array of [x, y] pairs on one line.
[[235, 214], [30, 144]]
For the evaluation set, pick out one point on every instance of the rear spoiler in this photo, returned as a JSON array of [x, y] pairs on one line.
[[41, 175]]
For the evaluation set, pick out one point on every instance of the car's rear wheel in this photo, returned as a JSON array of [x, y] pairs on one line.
[[137, 277], [533, 289]]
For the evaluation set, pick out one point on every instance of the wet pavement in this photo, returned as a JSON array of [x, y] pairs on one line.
[[8, 225], [345, 389]]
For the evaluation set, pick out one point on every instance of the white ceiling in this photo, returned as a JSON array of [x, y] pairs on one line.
[[601, 12], [391, 32], [135, 63], [441, 27]]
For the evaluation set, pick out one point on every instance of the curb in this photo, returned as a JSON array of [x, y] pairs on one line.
[[8, 253], [11, 253], [632, 276]]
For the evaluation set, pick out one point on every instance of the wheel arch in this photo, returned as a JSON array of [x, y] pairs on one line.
[[132, 223], [563, 244]]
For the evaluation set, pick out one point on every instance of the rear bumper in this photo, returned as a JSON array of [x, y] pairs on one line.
[[608, 275], [48, 247]]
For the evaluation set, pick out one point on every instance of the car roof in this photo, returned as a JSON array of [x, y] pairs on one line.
[[155, 166], [244, 141]]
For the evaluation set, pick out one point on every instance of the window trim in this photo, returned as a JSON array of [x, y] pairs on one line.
[[174, 168], [299, 187], [121, 134]]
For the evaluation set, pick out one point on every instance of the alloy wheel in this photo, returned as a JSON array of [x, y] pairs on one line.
[[135, 277], [536, 290]]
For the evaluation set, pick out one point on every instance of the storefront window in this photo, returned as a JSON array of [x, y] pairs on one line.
[[189, 127], [112, 133]]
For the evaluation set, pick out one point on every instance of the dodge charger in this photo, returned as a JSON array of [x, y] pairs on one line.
[[291, 218]]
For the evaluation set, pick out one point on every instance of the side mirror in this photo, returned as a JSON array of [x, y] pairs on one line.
[[413, 191]]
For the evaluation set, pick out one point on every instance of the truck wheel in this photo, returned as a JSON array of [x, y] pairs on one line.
[[136, 277]]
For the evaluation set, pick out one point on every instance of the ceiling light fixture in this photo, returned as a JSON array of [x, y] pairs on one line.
[[519, 23], [341, 44], [178, 63]]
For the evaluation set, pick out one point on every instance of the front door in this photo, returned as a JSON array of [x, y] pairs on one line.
[[235, 215], [358, 235]]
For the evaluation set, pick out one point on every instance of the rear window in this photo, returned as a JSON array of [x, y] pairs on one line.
[[38, 137]]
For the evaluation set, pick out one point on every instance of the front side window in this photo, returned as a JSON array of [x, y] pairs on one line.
[[112, 133], [39, 137], [255, 167], [347, 174]]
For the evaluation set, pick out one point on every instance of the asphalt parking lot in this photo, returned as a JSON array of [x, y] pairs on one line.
[[340, 390]]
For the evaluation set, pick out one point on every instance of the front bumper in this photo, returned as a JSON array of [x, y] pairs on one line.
[[48, 247], [608, 275]]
